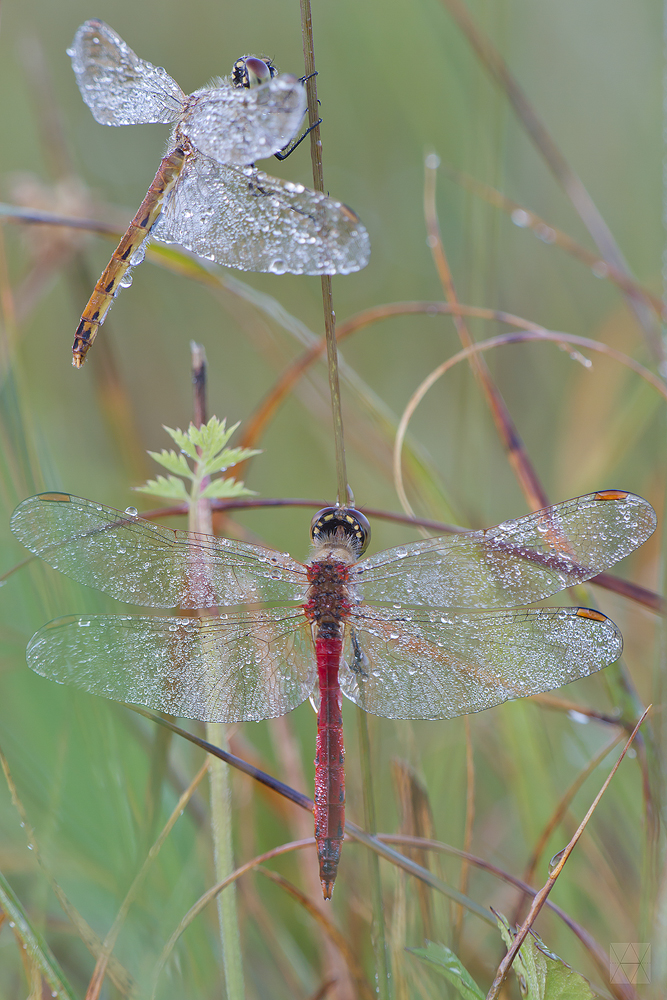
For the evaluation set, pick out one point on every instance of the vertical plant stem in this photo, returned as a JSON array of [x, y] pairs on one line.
[[383, 976], [342, 488], [219, 774]]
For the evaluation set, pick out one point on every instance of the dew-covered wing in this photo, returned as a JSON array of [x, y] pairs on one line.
[[118, 86], [517, 562], [240, 217], [240, 125], [231, 668], [139, 562], [435, 665]]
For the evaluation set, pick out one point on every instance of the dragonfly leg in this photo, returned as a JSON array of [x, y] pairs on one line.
[[287, 150]]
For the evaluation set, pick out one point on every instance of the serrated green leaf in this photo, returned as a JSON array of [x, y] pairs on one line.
[[177, 463], [167, 487], [221, 489], [183, 441], [448, 965], [212, 437], [226, 459], [36, 947]]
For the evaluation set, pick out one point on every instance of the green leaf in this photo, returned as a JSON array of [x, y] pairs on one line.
[[174, 462], [448, 965], [562, 982], [206, 447], [220, 489], [36, 947], [212, 436], [228, 457], [543, 975], [168, 487], [183, 441]]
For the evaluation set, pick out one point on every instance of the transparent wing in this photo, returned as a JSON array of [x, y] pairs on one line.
[[246, 219], [240, 125], [419, 665], [517, 562], [140, 562], [231, 668], [118, 86]]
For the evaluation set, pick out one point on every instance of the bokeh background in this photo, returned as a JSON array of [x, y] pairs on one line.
[[397, 81]]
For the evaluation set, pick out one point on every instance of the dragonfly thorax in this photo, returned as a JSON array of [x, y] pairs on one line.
[[329, 600]]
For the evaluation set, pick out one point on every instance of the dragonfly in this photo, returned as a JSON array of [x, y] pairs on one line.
[[429, 630], [207, 195]]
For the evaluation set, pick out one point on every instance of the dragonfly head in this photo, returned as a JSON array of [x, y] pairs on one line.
[[251, 71], [329, 521]]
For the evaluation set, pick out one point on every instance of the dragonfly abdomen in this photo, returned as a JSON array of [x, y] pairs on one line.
[[121, 261], [329, 758]]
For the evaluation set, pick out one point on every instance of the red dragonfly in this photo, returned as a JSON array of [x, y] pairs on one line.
[[405, 633]]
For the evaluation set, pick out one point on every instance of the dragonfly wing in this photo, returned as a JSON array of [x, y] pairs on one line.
[[243, 218], [118, 86], [240, 125], [231, 668], [517, 562], [419, 665], [139, 562]]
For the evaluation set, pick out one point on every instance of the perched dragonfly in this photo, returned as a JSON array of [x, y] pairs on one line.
[[405, 633], [207, 195]]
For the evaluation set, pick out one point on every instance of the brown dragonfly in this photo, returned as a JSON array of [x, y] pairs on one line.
[[207, 195], [406, 633]]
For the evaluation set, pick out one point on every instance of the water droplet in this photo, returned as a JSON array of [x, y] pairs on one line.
[[545, 233], [555, 861], [576, 356], [520, 218], [138, 256], [83, 623], [278, 266], [600, 269], [132, 512], [432, 161], [126, 280]]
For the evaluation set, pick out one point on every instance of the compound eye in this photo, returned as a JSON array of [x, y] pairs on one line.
[[251, 71], [330, 520], [362, 532]]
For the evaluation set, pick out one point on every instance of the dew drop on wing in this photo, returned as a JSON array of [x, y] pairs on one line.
[[278, 266], [132, 512]]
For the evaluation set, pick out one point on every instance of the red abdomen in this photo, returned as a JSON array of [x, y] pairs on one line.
[[329, 759]]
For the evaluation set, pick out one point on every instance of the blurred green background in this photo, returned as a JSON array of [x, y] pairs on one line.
[[396, 81]]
